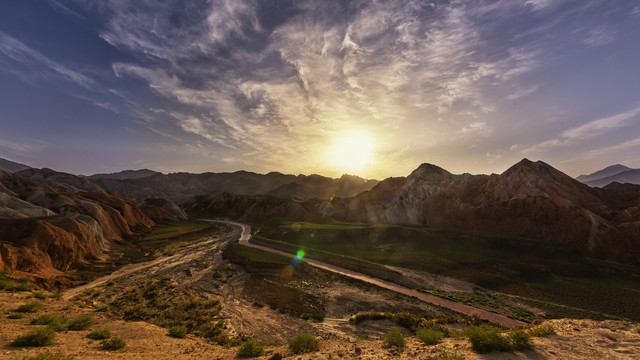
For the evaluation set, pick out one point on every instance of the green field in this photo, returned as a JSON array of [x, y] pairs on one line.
[[161, 233], [531, 269]]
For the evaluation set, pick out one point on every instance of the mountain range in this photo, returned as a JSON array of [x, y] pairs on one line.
[[614, 173], [52, 222]]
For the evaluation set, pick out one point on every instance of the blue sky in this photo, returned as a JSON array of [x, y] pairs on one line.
[[472, 86]]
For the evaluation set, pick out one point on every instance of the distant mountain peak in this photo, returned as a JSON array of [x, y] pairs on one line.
[[611, 170], [428, 170]]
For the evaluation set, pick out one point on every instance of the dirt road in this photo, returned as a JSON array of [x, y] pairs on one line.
[[460, 308]]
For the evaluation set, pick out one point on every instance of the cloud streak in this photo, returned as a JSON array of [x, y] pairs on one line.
[[22, 54]]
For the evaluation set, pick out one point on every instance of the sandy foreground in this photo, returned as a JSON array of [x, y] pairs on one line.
[[575, 339]]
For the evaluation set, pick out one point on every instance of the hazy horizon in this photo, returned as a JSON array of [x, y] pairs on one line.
[[373, 89]]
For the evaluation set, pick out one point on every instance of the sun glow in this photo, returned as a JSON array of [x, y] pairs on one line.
[[351, 152]]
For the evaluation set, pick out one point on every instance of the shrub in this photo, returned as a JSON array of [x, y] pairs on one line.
[[520, 340], [44, 319], [38, 295], [303, 342], [81, 323], [178, 331], [429, 336], [53, 322], [371, 315], [445, 355], [37, 337], [542, 330], [32, 306], [99, 334], [113, 344], [24, 287], [66, 307], [56, 295], [638, 329], [318, 316], [15, 315], [58, 324], [363, 336], [251, 348], [48, 356], [103, 308], [486, 338], [392, 338], [258, 303]]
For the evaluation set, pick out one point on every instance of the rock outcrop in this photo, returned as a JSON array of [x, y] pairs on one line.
[[52, 222]]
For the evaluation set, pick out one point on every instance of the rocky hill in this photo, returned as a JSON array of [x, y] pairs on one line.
[[52, 222]]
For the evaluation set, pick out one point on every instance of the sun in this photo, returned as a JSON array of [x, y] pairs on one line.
[[351, 152]]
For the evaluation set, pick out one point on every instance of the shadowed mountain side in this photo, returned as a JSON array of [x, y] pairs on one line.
[[179, 187], [53, 222], [530, 199], [12, 166]]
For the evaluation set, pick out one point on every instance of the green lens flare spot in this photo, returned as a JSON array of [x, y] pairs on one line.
[[300, 254]]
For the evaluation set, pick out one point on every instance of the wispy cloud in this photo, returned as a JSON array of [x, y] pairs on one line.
[[23, 55], [587, 131], [599, 36]]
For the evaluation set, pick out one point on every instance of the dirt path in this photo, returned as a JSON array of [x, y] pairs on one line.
[[185, 255], [460, 308]]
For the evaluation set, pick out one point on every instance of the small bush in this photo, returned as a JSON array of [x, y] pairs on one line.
[[43, 319], [53, 322], [38, 295], [15, 315], [48, 356], [24, 287], [103, 308], [37, 337], [113, 344], [520, 340], [429, 336], [303, 342], [486, 338], [99, 334], [638, 329], [318, 316], [445, 355], [66, 307], [178, 331], [56, 295], [32, 306], [542, 330], [393, 338], [258, 303], [363, 336], [81, 323], [58, 324], [251, 348]]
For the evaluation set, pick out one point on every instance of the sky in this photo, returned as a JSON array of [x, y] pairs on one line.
[[304, 86]]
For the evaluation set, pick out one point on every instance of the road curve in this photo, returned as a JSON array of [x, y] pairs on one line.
[[452, 305]]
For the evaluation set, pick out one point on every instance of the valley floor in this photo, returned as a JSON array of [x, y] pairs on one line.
[[203, 268], [575, 339]]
